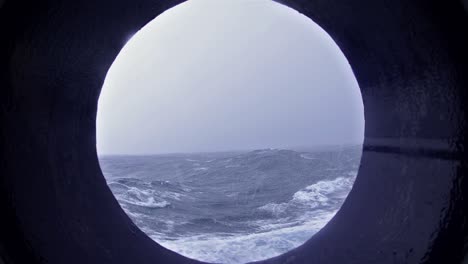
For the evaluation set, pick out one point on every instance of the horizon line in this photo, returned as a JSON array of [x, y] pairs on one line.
[[231, 150]]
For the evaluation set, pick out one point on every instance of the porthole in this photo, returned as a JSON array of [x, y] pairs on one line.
[[230, 131]]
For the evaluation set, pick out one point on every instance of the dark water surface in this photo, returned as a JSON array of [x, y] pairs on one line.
[[233, 207]]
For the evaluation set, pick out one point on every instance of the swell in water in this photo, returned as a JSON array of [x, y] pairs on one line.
[[232, 207]]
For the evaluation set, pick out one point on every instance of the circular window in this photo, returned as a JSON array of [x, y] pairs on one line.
[[230, 131]]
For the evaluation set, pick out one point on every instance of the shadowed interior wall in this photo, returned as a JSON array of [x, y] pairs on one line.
[[407, 205]]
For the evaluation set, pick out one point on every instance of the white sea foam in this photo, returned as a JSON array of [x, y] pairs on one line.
[[275, 208], [273, 237], [149, 203], [241, 248], [313, 195], [319, 191], [144, 198]]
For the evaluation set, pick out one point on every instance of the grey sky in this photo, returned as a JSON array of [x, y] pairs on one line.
[[212, 75]]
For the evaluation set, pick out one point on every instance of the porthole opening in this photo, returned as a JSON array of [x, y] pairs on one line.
[[230, 130]]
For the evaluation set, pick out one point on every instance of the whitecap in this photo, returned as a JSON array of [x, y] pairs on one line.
[[149, 203], [313, 195], [144, 198]]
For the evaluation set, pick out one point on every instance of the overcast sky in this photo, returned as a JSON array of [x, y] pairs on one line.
[[214, 75]]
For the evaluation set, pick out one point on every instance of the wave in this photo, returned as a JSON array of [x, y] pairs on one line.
[[313, 196], [149, 203], [144, 194], [320, 192], [142, 198]]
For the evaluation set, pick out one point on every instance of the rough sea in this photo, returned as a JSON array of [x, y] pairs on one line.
[[233, 207]]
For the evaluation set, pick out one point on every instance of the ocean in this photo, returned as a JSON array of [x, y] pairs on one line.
[[233, 207]]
